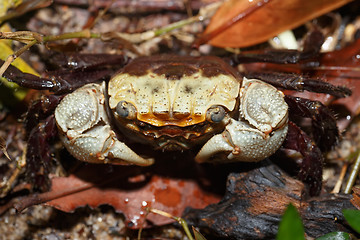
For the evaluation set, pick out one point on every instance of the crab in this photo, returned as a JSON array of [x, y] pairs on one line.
[[174, 103]]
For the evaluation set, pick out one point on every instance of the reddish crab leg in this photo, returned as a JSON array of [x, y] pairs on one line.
[[312, 162], [300, 83], [65, 80], [324, 126]]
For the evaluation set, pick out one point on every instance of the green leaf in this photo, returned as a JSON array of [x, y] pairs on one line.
[[352, 216], [6, 4], [336, 236], [197, 234], [291, 225]]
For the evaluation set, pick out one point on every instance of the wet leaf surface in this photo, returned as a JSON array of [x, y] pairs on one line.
[[130, 190]]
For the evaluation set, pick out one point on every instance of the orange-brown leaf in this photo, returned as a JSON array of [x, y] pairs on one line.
[[129, 190], [241, 23]]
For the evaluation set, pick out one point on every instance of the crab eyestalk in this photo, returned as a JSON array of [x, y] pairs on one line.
[[215, 114], [126, 110]]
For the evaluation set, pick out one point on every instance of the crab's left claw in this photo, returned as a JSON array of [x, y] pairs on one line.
[[85, 131], [241, 142], [260, 130]]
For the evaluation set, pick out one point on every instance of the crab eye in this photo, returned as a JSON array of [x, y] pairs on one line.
[[126, 110], [215, 114]]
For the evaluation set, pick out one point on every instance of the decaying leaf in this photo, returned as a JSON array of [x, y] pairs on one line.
[[128, 189]]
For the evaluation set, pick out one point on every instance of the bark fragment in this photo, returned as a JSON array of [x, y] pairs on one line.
[[254, 202]]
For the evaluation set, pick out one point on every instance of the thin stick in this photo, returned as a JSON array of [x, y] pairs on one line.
[[204, 13], [33, 38], [341, 178], [353, 175], [3, 148], [82, 34], [13, 56]]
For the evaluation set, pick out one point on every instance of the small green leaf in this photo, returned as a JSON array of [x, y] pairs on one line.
[[197, 234], [291, 226], [352, 216], [336, 236]]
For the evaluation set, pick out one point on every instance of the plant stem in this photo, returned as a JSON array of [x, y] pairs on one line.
[[82, 34]]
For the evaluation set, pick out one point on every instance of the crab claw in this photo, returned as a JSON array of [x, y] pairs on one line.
[[260, 130], [100, 145], [85, 130], [241, 142]]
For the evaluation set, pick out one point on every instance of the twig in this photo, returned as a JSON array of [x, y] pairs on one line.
[[204, 13], [353, 175], [341, 178], [3, 148], [31, 38], [13, 56]]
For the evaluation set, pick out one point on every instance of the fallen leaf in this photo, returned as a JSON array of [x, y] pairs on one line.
[[130, 190], [242, 23]]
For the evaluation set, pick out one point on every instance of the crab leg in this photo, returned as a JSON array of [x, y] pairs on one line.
[[300, 83], [324, 128], [311, 164], [311, 48], [66, 80]]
